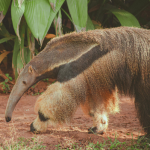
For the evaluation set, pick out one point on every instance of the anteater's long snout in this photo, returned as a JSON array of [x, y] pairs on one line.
[[26, 79], [12, 101]]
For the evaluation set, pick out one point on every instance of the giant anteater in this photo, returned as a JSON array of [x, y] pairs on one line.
[[90, 68]]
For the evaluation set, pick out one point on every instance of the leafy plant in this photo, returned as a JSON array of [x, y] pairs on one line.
[[5, 85], [24, 25]]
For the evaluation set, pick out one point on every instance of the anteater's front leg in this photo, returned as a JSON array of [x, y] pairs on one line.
[[55, 106], [100, 122]]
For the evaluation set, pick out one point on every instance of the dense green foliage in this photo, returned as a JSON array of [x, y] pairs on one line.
[[25, 23]]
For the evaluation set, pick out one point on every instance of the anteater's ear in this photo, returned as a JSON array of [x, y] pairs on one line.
[[30, 69]]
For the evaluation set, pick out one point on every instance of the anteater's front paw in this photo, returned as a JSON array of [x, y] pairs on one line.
[[94, 130]]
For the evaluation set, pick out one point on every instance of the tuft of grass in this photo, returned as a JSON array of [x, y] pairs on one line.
[[141, 143], [23, 144], [20, 143]]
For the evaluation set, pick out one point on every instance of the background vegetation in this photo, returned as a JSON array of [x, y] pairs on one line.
[[27, 25]]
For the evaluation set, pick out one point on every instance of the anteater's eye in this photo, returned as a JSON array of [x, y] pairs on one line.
[[24, 82]]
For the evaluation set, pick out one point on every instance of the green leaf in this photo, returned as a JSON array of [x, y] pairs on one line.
[[10, 78], [125, 18], [4, 5], [78, 10], [7, 75], [6, 39], [37, 13], [16, 15], [6, 80], [89, 24], [39, 16]]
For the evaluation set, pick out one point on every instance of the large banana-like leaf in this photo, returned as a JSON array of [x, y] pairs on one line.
[[4, 5], [79, 13], [125, 18], [21, 54], [37, 13], [17, 11], [39, 16]]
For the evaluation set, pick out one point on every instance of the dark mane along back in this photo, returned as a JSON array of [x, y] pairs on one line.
[[70, 47]]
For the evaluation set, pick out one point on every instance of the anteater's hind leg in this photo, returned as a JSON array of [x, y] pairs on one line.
[[142, 104], [99, 109]]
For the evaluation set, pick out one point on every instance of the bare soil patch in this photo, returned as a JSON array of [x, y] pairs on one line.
[[124, 125]]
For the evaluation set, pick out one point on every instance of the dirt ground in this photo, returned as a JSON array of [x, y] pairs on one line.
[[124, 125]]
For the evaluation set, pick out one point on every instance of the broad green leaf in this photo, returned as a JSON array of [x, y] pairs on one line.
[[6, 39], [15, 55], [37, 14], [125, 18], [3, 31], [18, 51], [89, 24], [16, 15], [4, 5], [79, 13]]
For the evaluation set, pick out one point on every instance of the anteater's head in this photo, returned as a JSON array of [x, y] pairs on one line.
[[26, 79]]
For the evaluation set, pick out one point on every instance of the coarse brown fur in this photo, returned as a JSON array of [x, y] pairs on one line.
[[93, 67], [90, 69]]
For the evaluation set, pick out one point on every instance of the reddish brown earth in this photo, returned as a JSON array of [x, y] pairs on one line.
[[124, 125]]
